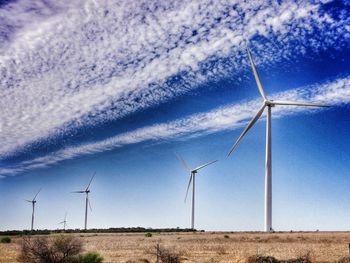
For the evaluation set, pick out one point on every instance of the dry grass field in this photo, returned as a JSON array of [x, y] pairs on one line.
[[207, 247]]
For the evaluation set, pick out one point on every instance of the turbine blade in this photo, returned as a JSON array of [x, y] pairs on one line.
[[27, 200], [188, 187], [37, 194], [187, 167], [251, 123], [78, 192], [65, 216], [256, 76], [87, 188], [204, 165], [60, 223], [292, 103], [89, 205]]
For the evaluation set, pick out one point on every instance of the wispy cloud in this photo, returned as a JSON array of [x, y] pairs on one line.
[[65, 65], [229, 117]]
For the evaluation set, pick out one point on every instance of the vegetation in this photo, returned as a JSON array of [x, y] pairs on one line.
[[148, 234], [95, 230], [91, 257], [344, 260], [5, 240], [267, 259], [56, 249], [166, 256]]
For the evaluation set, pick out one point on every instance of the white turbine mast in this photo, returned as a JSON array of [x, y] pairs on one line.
[[267, 103], [87, 202], [33, 202], [192, 180]]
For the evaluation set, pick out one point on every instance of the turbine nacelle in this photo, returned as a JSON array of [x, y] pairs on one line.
[[269, 103]]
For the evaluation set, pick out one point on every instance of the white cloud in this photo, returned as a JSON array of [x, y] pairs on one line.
[[228, 117], [70, 64]]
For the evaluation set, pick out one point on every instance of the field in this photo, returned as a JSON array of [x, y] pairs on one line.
[[209, 247]]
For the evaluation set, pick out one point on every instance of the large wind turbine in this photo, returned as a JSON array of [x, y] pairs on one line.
[[33, 206], [64, 222], [193, 181], [87, 202], [268, 173]]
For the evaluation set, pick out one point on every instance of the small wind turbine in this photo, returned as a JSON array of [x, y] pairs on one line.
[[268, 171], [193, 181], [64, 222], [33, 206], [87, 202]]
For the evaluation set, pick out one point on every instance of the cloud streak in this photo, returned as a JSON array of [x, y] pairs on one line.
[[64, 66], [229, 117]]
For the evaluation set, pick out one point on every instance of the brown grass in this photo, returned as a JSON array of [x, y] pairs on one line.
[[208, 247]]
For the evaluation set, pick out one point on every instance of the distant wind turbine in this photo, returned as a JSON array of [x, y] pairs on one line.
[[268, 172], [193, 181], [64, 222], [33, 206], [87, 202]]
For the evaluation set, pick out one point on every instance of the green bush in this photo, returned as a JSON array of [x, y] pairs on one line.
[[91, 257], [148, 234], [5, 240]]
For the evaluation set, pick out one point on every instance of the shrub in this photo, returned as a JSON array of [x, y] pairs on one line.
[[226, 236], [148, 234], [267, 259], [57, 249], [142, 260], [165, 256], [344, 260], [5, 240], [91, 257]]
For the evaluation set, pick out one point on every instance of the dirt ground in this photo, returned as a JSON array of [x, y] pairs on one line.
[[209, 247]]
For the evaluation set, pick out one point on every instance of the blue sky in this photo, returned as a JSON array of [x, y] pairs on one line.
[[118, 88]]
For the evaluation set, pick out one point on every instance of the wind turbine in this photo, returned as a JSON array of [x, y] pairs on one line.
[[64, 222], [87, 202], [33, 206], [268, 171], [193, 181]]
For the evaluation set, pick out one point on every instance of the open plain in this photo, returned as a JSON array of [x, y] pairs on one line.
[[207, 247]]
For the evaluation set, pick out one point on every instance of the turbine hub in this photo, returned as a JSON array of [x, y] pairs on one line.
[[269, 103]]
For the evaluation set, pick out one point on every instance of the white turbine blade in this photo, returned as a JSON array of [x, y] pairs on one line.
[[78, 192], [256, 76], [187, 167], [37, 194], [188, 187], [27, 200], [251, 123], [87, 188], [65, 216], [292, 103], [204, 165], [60, 223], [89, 205]]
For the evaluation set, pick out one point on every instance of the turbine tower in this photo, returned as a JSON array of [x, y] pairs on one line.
[[33, 201], [268, 171], [87, 202], [64, 222], [193, 181]]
